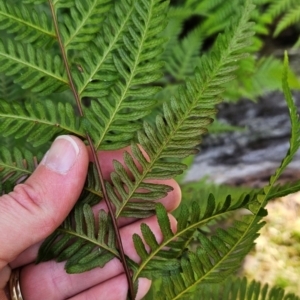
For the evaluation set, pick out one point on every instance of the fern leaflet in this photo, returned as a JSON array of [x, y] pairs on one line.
[[15, 167], [26, 23], [239, 289], [82, 22], [115, 119], [177, 133], [82, 247], [31, 65], [39, 122]]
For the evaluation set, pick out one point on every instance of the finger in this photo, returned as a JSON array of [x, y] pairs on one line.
[[34, 209], [51, 279], [171, 202], [106, 158], [4, 276], [114, 289]]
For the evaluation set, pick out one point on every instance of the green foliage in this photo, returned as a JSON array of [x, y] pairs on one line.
[[287, 10], [39, 122], [94, 248], [110, 55], [26, 24], [15, 166], [240, 289], [257, 75]]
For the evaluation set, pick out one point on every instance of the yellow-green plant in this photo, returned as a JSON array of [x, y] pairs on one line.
[[94, 69]]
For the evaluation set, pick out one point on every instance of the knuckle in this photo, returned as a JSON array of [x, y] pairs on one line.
[[28, 196], [31, 199]]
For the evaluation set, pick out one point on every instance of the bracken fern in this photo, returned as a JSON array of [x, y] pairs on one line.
[[110, 55]]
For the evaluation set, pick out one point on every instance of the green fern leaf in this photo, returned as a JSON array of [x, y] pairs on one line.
[[177, 134], [34, 1], [82, 21], [290, 18], [39, 122], [96, 63], [217, 12], [284, 190], [9, 90], [15, 167], [189, 222], [182, 59], [26, 24], [241, 289], [82, 246], [295, 124], [215, 259], [289, 9], [220, 255], [31, 65], [115, 118]]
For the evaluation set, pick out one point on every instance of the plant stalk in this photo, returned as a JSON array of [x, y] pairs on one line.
[[99, 171]]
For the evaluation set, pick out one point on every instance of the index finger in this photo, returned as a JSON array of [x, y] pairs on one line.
[[106, 159]]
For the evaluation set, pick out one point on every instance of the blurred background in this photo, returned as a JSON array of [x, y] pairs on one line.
[[251, 133]]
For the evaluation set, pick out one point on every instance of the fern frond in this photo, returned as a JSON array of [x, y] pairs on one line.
[[208, 6], [9, 90], [30, 66], [39, 122], [34, 1], [287, 8], [215, 259], [219, 256], [189, 221], [256, 206], [182, 60], [26, 24], [259, 76], [82, 21], [218, 12], [15, 167], [282, 191], [248, 226], [93, 184], [185, 118], [292, 16], [180, 13], [82, 246], [114, 119], [96, 63], [241, 289], [295, 122]]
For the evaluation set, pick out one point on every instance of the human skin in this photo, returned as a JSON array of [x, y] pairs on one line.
[[35, 208]]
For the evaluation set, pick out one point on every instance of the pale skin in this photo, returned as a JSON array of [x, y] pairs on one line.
[[35, 208]]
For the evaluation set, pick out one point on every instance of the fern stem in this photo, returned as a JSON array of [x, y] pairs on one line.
[[108, 203]]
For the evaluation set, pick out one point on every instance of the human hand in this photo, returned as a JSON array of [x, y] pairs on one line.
[[37, 207]]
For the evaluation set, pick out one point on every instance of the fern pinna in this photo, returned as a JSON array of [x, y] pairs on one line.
[[109, 56]]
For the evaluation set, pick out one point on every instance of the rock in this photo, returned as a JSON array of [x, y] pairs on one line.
[[250, 156]]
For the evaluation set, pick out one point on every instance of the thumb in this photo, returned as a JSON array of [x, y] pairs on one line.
[[35, 208]]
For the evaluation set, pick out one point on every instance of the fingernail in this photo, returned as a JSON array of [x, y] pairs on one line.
[[62, 155]]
